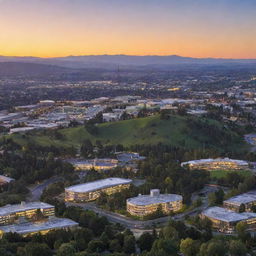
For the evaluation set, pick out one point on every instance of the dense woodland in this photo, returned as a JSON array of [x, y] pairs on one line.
[[31, 163]]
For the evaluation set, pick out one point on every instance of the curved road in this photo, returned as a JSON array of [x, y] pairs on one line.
[[131, 223]]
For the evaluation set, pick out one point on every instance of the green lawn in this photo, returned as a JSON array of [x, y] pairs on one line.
[[217, 174], [152, 130]]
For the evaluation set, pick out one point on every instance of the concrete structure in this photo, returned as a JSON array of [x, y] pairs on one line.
[[217, 164], [126, 157], [91, 191], [225, 220], [247, 199], [96, 164], [42, 227], [9, 213], [143, 205], [21, 129], [5, 180], [111, 117]]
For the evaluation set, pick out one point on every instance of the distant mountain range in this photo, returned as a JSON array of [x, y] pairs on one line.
[[109, 61]]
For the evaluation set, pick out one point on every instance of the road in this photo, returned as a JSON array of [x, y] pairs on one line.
[[251, 139], [139, 225], [37, 191], [135, 224]]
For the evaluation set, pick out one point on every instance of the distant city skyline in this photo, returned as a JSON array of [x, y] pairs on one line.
[[198, 28]]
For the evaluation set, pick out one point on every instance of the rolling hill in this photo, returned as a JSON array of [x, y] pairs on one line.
[[110, 61], [177, 131]]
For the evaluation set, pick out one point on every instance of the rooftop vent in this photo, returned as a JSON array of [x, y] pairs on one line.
[[154, 192]]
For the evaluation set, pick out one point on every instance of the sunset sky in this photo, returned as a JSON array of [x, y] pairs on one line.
[[196, 28]]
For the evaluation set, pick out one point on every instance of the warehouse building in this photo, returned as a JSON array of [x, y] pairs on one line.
[[91, 191], [247, 199], [144, 205], [9, 213], [225, 220], [216, 164]]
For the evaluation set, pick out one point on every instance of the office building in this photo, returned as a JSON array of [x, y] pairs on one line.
[[144, 205], [91, 191]]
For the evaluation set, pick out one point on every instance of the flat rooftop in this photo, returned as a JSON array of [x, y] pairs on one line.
[[98, 184], [210, 160], [242, 198], [6, 179], [30, 227], [225, 215], [9, 209], [148, 199]]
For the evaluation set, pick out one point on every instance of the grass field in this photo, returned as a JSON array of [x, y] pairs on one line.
[[175, 131], [217, 174]]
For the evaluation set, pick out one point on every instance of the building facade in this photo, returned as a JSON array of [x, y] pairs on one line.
[[9, 213], [248, 200], [42, 227], [92, 190], [96, 164], [216, 164], [225, 220], [144, 205]]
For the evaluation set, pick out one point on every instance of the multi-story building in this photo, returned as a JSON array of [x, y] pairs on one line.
[[144, 205], [5, 180], [42, 227], [216, 164], [30, 218], [247, 199], [92, 190], [96, 164], [9, 213], [225, 220]]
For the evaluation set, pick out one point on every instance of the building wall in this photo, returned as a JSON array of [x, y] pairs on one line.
[[144, 210], [10, 218], [218, 166], [229, 227], [71, 196], [236, 207]]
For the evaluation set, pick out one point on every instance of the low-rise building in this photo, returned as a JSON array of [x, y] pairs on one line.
[[92, 190], [96, 164], [144, 205], [111, 117], [126, 157], [5, 180], [247, 199], [9, 213], [216, 164], [42, 227], [225, 220]]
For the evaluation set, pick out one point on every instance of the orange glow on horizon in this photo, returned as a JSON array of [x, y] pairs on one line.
[[62, 28]]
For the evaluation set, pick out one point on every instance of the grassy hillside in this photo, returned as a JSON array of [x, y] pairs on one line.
[[177, 131]]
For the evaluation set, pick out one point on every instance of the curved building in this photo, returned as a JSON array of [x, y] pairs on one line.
[[144, 205], [216, 164]]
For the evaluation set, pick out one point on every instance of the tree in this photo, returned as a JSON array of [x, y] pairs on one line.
[[66, 249], [242, 208], [114, 246], [129, 244], [37, 249], [213, 248], [86, 148], [96, 246], [145, 241], [241, 228], [164, 247], [237, 248], [189, 247]]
